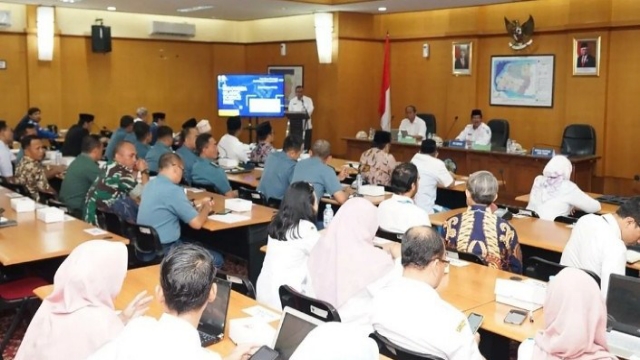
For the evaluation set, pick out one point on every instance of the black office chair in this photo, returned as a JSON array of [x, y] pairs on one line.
[[579, 140], [566, 220], [519, 210], [381, 233], [50, 199], [274, 203], [238, 283], [542, 269], [472, 258], [254, 196], [499, 132], [17, 188], [145, 241], [111, 222], [318, 309], [393, 351], [430, 120]]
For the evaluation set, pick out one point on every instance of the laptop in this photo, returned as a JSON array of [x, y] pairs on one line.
[[214, 317], [293, 328], [623, 325]]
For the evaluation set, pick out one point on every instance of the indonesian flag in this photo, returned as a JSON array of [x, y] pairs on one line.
[[384, 107]]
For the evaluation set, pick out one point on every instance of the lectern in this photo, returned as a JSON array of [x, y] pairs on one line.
[[297, 123]]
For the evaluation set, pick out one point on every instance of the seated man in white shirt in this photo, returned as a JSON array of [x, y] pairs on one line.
[[413, 125], [477, 132], [6, 156], [399, 213], [229, 146], [433, 172], [599, 243], [410, 313], [186, 287]]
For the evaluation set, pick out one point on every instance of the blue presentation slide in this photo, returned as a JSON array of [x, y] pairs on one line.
[[251, 95]]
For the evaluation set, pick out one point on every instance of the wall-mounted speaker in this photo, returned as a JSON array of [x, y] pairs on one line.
[[100, 39]]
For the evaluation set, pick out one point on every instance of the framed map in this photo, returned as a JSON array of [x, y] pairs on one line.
[[522, 80]]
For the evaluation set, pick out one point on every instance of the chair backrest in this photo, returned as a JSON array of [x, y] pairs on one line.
[[393, 351], [430, 120], [519, 210], [17, 188], [579, 139], [274, 203], [50, 199], [472, 258], [499, 132], [238, 283], [389, 235], [566, 220], [254, 196], [318, 309], [111, 222], [146, 243], [542, 269]]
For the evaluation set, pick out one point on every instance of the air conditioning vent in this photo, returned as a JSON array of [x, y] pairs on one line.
[[173, 29]]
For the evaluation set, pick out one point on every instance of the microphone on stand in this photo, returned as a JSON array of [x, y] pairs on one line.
[[455, 120]]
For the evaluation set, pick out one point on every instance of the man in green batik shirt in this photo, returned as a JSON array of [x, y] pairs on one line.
[[82, 172], [117, 185]]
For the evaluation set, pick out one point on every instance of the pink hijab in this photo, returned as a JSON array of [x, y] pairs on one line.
[[79, 316], [575, 320], [344, 261]]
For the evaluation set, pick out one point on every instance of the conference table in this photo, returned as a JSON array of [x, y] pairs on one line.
[[605, 208], [515, 170], [147, 278], [34, 240]]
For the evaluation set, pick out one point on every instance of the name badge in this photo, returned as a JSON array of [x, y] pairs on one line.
[[457, 144], [543, 152]]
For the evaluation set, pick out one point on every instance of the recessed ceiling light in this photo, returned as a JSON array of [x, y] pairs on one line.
[[70, 1], [195, 8], [111, 8], [382, 8]]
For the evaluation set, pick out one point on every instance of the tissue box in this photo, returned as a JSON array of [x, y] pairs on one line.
[[251, 330], [526, 294], [23, 204], [238, 205], [228, 163], [50, 215], [372, 190]]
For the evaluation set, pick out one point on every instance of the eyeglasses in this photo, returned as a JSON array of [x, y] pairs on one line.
[[180, 167]]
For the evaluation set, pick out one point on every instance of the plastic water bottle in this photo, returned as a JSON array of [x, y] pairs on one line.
[[327, 216], [509, 146], [358, 183]]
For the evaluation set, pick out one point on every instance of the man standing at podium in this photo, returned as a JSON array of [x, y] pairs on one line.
[[302, 103]]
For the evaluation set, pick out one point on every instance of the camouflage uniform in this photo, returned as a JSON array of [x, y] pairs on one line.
[[32, 174], [114, 182]]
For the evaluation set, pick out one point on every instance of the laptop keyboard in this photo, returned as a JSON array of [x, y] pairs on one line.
[[622, 344], [206, 339], [612, 199]]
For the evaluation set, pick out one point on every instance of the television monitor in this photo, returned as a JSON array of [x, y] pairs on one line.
[[251, 95]]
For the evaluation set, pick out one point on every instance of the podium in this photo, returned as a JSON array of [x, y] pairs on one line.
[[297, 124]]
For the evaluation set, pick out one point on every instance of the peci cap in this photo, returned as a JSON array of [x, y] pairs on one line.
[[191, 123], [86, 117], [382, 137], [476, 112], [158, 116]]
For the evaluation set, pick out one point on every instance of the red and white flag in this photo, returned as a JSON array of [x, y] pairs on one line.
[[384, 107]]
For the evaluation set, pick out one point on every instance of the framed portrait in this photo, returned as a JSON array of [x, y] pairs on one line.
[[586, 57], [462, 55], [522, 80], [293, 76]]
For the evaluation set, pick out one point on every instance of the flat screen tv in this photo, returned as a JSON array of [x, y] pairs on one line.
[[251, 95]]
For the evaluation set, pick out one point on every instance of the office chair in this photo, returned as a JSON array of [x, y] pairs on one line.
[[254, 196], [472, 258], [499, 132], [578, 140], [318, 309], [381, 233], [542, 269], [238, 283], [393, 351], [17, 188], [566, 220], [50, 199], [111, 222], [274, 203], [146, 244], [430, 120]]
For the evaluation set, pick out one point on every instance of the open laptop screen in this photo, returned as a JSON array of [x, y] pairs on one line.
[[623, 298], [294, 327], [215, 314]]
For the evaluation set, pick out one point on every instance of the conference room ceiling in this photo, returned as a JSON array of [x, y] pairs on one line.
[[256, 9]]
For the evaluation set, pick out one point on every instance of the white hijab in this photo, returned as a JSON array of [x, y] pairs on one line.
[[337, 341], [555, 173]]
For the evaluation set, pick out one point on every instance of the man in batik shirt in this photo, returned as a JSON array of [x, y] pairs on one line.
[[479, 231], [30, 172], [376, 164], [117, 186]]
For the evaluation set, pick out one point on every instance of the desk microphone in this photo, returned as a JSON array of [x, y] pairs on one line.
[[450, 128]]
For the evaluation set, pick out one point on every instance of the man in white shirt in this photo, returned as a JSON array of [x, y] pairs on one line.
[[413, 125], [141, 114], [599, 243], [410, 313], [477, 132], [186, 287], [6, 156], [433, 172], [229, 146], [302, 103], [399, 213]]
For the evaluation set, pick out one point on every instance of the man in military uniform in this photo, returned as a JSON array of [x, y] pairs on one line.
[[73, 140], [117, 185], [162, 146], [187, 151], [140, 138], [81, 174], [205, 171], [156, 123], [30, 172]]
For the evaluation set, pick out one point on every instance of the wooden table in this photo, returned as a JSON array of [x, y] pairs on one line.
[[605, 208], [518, 171], [375, 200], [33, 240], [249, 179], [494, 314], [147, 278]]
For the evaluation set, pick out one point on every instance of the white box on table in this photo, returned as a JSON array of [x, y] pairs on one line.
[[23, 204], [50, 215]]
